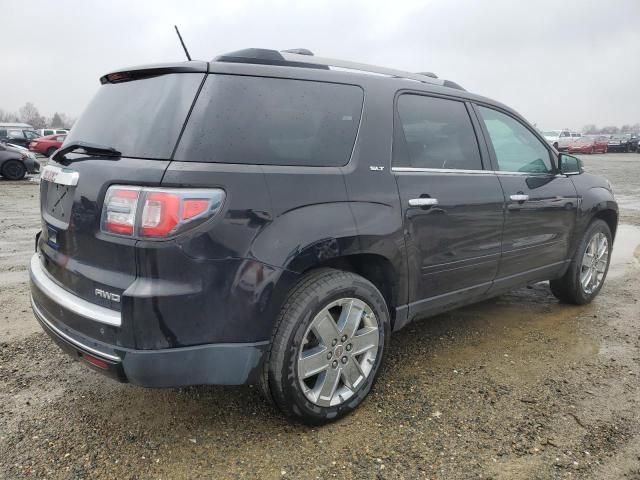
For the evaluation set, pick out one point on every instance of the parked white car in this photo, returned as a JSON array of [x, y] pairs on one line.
[[52, 131], [560, 139]]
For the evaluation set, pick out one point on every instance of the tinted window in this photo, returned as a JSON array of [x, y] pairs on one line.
[[47, 132], [15, 134], [565, 134], [516, 148], [272, 121], [140, 118], [437, 133]]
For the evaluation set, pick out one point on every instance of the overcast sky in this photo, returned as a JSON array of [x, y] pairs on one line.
[[561, 63]]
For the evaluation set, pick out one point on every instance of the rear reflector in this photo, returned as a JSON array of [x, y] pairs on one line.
[[95, 361], [158, 213]]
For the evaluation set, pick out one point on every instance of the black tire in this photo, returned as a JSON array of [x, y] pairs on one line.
[[568, 288], [13, 170], [51, 151], [315, 291]]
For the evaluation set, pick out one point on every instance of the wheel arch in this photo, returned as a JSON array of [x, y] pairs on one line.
[[610, 217]]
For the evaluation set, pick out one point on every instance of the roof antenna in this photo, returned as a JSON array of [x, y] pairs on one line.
[[182, 42]]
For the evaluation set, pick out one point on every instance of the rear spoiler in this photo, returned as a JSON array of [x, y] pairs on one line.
[[148, 71]]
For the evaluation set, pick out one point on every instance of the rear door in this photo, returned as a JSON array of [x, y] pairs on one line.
[[452, 206], [541, 205]]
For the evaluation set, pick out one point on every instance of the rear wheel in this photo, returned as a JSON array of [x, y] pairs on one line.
[[588, 268], [51, 151], [327, 346], [13, 170]]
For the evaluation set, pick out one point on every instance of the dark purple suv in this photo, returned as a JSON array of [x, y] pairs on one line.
[[272, 217]]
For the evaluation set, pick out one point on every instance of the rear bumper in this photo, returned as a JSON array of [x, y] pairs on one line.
[[209, 364]]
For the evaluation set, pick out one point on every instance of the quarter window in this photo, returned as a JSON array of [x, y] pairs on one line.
[[272, 121], [436, 133], [516, 148]]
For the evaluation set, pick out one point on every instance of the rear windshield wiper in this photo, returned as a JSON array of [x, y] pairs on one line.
[[88, 147]]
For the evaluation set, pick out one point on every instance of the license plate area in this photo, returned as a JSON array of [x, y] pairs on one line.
[[58, 188]]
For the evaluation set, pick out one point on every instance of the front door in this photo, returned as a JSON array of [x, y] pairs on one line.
[[541, 206], [452, 207]]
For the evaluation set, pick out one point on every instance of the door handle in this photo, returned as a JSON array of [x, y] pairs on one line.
[[423, 202], [519, 197]]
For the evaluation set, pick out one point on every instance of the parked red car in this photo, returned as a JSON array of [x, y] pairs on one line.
[[589, 145], [47, 145]]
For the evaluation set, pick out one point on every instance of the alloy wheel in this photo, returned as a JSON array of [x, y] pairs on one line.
[[594, 263], [339, 350]]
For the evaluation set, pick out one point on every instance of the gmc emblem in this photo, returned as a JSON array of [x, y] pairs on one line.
[[114, 297]]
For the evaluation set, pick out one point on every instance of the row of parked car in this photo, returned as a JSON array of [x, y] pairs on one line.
[[19, 144], [574, 142]]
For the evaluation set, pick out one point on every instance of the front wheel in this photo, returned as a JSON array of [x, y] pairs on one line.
[[588, 268], [327, 346], [51, 151]]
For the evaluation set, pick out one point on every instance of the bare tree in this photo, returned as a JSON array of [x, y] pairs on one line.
[[8, 116], [30, 114]]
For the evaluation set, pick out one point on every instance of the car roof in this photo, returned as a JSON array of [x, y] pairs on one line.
[[293, 65]]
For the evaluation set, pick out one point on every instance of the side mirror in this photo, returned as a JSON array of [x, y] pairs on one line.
[[569, 165]]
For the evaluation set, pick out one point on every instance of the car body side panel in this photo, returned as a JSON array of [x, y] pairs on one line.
[[594, 196]]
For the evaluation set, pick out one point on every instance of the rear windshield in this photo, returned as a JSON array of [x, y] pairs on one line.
[[272, 121], [141, 118]]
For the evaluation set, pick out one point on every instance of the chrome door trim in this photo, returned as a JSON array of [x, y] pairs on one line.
[[461, 171], [423, 202], [439, 170]]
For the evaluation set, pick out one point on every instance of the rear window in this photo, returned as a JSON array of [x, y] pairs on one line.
[[272, 121], [140, 118]]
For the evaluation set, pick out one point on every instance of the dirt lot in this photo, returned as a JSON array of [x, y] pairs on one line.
[[519, 387]]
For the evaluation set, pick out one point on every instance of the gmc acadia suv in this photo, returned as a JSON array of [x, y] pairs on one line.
[[269, 218]]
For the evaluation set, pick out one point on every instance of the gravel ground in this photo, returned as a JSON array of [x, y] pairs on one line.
[[518, 387]]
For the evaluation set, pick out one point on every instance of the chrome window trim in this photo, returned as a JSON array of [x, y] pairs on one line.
[[472, 172], [77, 305], [66, 337], [439, 170]]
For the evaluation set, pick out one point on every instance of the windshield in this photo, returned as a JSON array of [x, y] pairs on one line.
[[141, 118]]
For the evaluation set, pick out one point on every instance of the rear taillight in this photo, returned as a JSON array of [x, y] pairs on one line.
[[157, 212]]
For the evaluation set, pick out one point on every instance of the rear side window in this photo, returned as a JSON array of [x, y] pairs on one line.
[[272, 121], [15, 134], [141, 118], [436, 133]]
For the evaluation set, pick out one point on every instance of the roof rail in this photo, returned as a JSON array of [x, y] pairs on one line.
[[301, 57], [361, 67]]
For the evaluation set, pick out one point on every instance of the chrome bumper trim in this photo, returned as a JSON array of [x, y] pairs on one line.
[[67, 338], [77, 305]]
